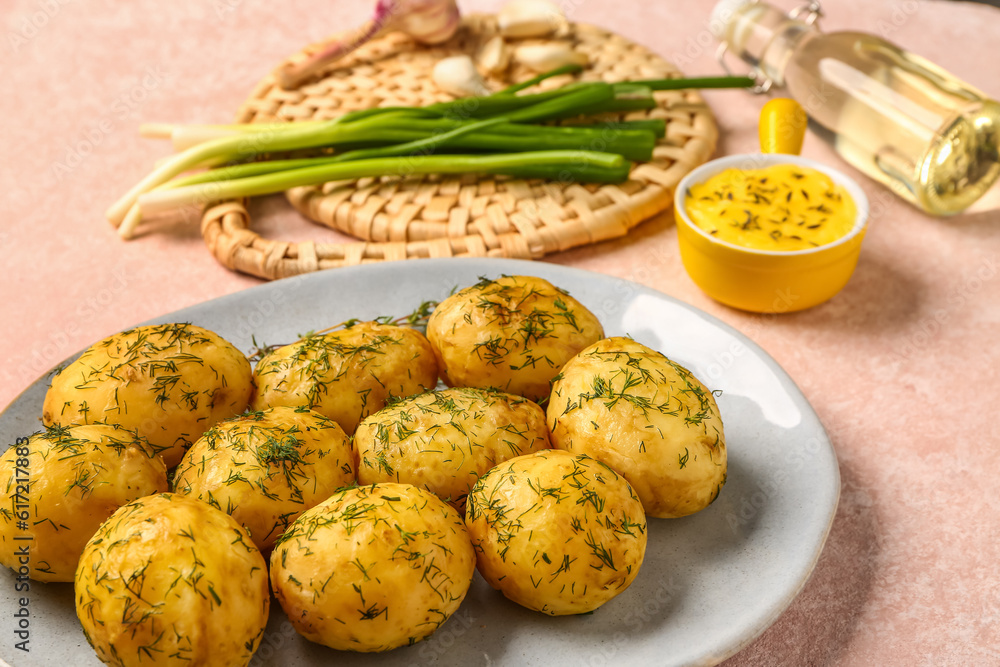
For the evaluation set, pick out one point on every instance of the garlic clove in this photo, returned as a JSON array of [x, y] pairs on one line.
[[529, 18], [549, 55], [458, 76], [494, 56]]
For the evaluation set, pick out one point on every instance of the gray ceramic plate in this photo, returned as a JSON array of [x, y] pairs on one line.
[[710, 583]]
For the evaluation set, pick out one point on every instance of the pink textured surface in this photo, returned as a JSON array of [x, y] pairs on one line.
[[902, 366]]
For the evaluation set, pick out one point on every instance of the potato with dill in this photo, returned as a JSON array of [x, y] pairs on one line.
[[266, 468], [347, 374], [555, 532], [168, 382], [170, 580], [444, 441], [512, 334], [77, 477], [648, 418], [373, 567]]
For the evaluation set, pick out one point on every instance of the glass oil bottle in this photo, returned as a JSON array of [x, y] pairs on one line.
[[900, 119]]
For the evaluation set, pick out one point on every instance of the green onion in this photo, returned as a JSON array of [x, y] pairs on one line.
[[518, 87], [658, 126], [605, 133], [699, 83], [633, 143], [590, 166], [500, 134]]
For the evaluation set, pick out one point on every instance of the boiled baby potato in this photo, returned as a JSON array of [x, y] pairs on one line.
[[170, 580], [266, 468], [373, 567], [168, 382], [348, 374], [512, 334], [648, 418], [60, 485], [555, 532], [444, 441]]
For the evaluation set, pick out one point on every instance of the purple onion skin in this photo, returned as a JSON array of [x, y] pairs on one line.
[[426, 21]]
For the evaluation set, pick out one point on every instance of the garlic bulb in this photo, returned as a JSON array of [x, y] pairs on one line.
[[458, 76], [427, 21], [529, 18]]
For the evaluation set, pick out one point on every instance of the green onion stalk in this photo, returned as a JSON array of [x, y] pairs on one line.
[[564, 165], [501, 134]]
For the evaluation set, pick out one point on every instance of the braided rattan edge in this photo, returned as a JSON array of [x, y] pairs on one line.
[[396, 217]]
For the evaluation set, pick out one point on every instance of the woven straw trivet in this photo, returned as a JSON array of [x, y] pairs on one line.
[[398, 217]]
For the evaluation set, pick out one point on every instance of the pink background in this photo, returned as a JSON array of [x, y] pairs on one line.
[[901, 366]]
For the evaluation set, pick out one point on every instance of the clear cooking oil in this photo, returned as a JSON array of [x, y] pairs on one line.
[[897, 117]]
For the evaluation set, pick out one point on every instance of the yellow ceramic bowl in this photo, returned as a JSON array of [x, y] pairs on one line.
[[767, 281]]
